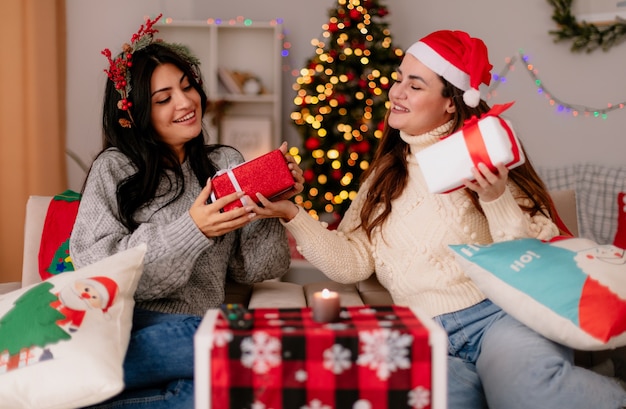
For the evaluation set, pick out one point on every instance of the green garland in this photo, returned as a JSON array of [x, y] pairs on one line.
[[585, 36]]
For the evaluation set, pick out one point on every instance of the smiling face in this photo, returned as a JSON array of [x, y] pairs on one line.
[[176, 110], [417, 105]]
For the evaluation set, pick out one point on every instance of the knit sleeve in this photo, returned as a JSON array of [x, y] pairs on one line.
[[172, 249], [507, 220], [260, 253], [343, 255]]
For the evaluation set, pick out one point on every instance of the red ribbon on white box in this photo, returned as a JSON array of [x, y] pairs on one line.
[[475, 142], [486, 139]]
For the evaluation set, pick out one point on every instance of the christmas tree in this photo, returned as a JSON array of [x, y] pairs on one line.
[[31, 323], [341, 103]]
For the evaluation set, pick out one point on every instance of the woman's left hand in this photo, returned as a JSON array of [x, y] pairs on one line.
[[487, 184]]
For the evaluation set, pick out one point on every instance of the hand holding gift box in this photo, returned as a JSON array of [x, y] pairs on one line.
[[267, 174], [489, 140]]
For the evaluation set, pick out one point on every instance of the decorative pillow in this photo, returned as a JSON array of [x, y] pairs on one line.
[[63, 341], [570, 290], [54, 250], [620, 235]]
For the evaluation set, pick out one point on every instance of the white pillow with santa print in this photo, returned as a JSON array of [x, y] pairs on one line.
[[570, 290], [63, 340]]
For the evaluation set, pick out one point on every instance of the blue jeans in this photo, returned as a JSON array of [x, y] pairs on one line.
[[158, 368], [496, 362]]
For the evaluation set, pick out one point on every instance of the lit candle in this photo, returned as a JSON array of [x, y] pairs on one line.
[[326, 306]]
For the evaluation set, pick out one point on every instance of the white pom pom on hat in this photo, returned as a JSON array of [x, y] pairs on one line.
[[471, 97], [460, 59]]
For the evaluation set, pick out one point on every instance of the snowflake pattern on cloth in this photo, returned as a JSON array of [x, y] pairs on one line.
[[260, 352], [337, 359], [373, 357], [385, 351], [419, 398], [222, 337]]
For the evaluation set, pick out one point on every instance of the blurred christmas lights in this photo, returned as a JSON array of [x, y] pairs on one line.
[[341, 102]]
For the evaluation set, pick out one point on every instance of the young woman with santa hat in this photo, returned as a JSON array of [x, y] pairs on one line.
[[396, 228], [151, 183]]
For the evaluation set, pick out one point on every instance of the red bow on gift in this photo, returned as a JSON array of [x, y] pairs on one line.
[[474, 139]]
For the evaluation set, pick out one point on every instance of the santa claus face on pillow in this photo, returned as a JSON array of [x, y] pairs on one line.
[[95, 293], [607, 265]]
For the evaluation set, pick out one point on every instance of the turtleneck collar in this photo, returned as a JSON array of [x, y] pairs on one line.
[[419, 142]]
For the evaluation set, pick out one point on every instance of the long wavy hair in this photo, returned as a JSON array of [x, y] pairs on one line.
[[141, 143], [389, 170]]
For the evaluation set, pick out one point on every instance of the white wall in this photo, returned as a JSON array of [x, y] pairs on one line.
[[551, 138]]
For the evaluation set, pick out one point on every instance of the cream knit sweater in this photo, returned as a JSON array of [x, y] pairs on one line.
[[410, 253]]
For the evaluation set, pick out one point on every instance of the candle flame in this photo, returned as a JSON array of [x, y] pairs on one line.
[[325, 293]]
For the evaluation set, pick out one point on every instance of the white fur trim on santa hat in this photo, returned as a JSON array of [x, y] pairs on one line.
[[440, 65]]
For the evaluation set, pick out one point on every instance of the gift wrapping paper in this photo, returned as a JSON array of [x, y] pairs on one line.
[[489, 140], [267, 174]]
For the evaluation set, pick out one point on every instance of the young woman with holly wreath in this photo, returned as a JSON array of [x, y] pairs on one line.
[[151, 183]]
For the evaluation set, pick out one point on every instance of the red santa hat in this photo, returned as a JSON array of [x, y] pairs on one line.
[[106, 288], [460, 59]]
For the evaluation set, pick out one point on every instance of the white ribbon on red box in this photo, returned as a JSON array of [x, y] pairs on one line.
[[488, 139], [233, 179]]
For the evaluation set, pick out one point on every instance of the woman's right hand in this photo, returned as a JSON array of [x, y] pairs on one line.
[[489, 185], [209, 218]]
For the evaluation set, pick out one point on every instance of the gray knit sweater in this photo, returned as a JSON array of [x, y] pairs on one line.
[[184, 271]]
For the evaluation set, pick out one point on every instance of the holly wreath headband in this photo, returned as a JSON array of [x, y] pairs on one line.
[[119, 68]]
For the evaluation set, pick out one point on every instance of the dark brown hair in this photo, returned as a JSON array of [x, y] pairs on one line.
[[141, 144]]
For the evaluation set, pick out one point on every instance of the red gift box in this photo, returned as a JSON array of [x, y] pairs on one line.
[[386, 356], [267, 174]]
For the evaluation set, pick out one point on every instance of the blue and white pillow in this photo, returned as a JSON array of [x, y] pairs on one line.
[[570, 290]]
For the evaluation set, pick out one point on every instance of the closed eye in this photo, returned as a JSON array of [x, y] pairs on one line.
[[412, 85], [415, 80]]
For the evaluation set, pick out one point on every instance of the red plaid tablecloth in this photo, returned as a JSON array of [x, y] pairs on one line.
[[373, 357]]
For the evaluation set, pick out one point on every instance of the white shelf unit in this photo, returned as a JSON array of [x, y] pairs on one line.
[[254, 48]]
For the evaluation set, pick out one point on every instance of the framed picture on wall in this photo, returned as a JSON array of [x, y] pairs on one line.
[[251, 135], [599, 11]]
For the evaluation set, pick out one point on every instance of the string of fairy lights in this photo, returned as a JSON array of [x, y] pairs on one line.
[[561, 106], [241, 20]]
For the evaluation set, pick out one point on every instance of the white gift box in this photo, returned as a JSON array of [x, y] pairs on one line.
[[489, 140]]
